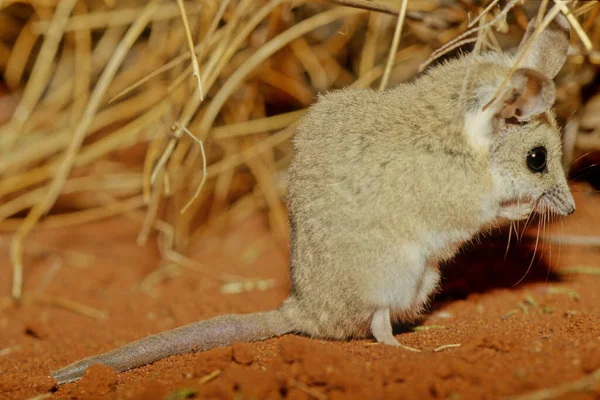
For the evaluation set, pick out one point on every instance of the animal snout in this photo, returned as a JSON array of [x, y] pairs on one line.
[[570, 210], [566, 207], [564, 201]]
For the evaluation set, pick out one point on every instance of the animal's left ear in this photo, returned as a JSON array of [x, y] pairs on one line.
[[549, 52], [530, 93], [531, 90]]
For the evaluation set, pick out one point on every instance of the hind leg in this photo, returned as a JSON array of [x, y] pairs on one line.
[[381, 327]]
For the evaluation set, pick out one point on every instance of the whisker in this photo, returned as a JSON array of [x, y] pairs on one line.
[[550, 262], [564, 229], [542, 214], [578, 173], [531, 213], [532, 258], [582, 156], [518, 221], [509, 237], [542, 227], [547, 219]]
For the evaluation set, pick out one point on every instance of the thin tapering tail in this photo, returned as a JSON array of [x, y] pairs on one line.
[[199, 336]]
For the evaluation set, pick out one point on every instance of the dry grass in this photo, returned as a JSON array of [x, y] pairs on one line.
[[162, 106]]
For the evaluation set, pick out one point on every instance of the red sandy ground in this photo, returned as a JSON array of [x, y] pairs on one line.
[[513, 340]]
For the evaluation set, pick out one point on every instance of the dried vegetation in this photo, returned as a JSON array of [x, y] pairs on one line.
[[179, 114]]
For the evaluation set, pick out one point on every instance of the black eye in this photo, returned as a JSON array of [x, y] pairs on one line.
[[536, 159]]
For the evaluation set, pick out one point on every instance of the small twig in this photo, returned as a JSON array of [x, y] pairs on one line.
[[200, 50], [190, 43], [9, 350], [261, 125], [182, 394], [241, 157], [42, 396], [461, 38], [147, 285], [541, 12], [447, 346], [367, 5], [165, 156], [563, 290], [369, 48], [408, 348], [587, 43], [399, 345], [585, 8], [530, 41], [222, 56], [509, 314], [427, 328], [529, 300], [247, 285], [454, 45], [308, 390], [79, 217], [111, 18], [484, 12], [153, 203], [209, 377], [394, 49], [204, 168], [72, 306]]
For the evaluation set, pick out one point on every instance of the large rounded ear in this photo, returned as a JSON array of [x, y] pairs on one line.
[[530, 93], [549, 52]]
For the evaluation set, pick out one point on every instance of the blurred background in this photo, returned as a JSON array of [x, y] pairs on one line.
[[143, 188], [103, 112]]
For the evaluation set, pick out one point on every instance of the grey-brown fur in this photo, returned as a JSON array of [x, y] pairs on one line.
[[384, 186]]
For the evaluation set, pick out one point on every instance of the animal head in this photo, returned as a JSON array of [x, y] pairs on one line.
[[526, 161], [518, 129]]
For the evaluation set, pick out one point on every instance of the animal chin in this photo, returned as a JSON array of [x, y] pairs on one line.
[[517, 208]]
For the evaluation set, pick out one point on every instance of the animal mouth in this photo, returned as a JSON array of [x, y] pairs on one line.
[[527, 204], [553, 201], [523, 203]]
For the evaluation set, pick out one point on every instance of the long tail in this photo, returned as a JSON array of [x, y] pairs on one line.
[[199, 336]]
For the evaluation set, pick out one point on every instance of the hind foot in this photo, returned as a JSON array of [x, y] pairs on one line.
[[381, 327]]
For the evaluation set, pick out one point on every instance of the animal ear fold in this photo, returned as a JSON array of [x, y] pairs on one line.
[[530, 93], [549, 52]]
